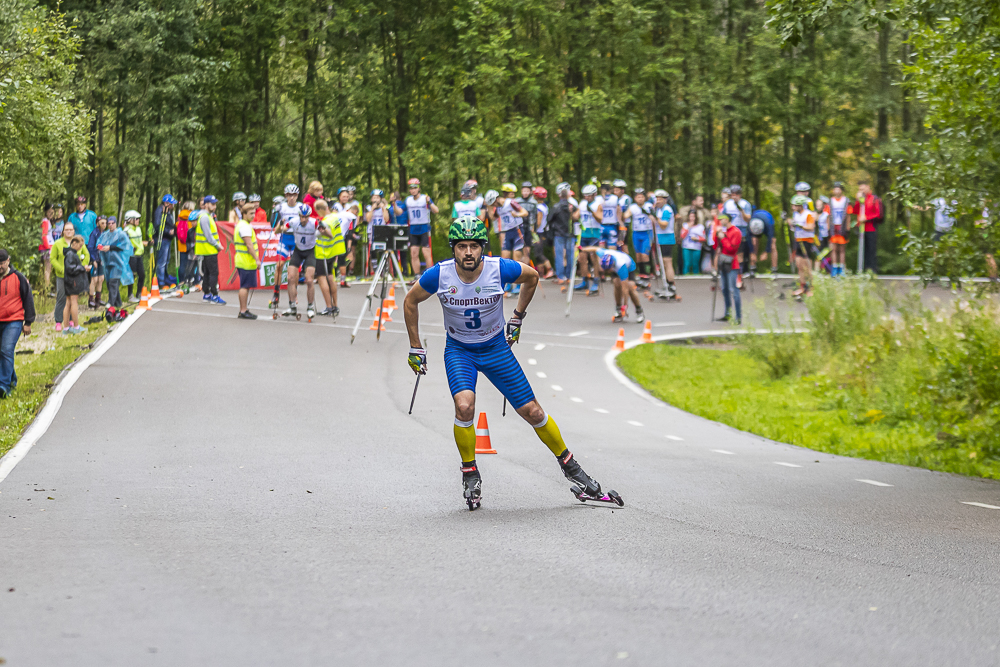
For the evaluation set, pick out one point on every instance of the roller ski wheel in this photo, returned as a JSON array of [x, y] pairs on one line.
[[472, 487], [611, 497], [291, 312]]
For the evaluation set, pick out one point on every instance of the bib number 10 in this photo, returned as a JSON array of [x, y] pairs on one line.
[[474, 321]]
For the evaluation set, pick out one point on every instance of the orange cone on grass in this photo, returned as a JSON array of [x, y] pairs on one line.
[[155, 294], [647, 332], [483, 444], [620, 343]]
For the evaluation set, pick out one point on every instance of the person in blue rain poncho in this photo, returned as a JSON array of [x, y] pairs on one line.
[[115, 249]]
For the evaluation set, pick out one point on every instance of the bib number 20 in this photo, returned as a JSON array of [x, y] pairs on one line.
[[474, 321]]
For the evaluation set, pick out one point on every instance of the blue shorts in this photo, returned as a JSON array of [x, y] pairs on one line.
[[590, 237], [248, 278], [642, 241], [286, 246], [609, 235], [513, 239], [494, 360]]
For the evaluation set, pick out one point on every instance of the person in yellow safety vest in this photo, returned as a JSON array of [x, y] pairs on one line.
[[328, 249], [247, 259], [207, 246]]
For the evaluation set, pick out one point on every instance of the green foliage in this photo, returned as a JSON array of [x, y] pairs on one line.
[[814, 411], [40, 122]]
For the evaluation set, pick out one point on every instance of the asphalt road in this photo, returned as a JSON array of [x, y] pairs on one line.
[[222, 492]]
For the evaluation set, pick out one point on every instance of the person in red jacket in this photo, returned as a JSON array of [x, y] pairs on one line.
[[17, 312], [729, 239]]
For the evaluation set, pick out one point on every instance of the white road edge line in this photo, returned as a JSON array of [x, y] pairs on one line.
[[787, 465], [41, 424], [872, 482], [989, 507]]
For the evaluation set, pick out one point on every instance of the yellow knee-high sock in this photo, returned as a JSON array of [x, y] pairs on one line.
[[548, 432], [465, 438]]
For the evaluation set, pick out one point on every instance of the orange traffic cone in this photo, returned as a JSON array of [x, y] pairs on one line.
[[390, 303], [374, 326], [144, 299], [483, 444], [647, 333], [620, 343], [155, 294]]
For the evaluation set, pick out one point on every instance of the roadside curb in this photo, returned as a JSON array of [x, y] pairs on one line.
[[64, 382]]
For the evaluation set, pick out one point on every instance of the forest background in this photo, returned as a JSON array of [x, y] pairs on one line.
[[124, 100]]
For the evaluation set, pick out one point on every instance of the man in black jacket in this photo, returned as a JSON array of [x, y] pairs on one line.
[[163, 218], [560, 225], [17, 312]]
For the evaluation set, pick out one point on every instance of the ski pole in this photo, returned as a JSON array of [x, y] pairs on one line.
[[415, 385], [510, 344]]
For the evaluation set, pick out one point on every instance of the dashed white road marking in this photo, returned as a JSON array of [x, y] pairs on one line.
[[556, 387], [576, 399], [539, 346], [670, 324], [601, 410], [674, 437], [723, 451], [541, 375], [578, 333], [634, 423], [787, 465], [872, 482], [989, 507], [532, 362]]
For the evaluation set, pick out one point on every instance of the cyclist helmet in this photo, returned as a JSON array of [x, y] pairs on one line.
[[291, 189], [253, 198], [466, 191], [607, 262], [239, 195], [799, 200], [639, 191], [606, 184], [377, 192], [619, 183], [508, 187], [342, 189], [131, 214], [491, 197], [278, 200], [735, 190], [726, 191], [802, 186], [472, 183], [660, 193], [351, 188], [526, 184], [824, 199], [562, 187], [838, 184], [467, 227], [413, 182], [589, 189], [756, 226], [540, 193]]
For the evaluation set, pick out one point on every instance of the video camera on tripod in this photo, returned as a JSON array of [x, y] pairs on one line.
[[390, 237]]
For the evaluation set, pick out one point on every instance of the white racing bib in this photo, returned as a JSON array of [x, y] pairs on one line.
[[641, 220], [473, 313]]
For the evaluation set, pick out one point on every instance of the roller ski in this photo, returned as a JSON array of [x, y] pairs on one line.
[[472, 486], [584, 486], [620, 314], [669, 294], [310, 312], [291, 312], [273, 304], [640, 316], [330, 312]]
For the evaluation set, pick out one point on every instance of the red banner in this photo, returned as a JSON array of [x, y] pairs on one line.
[[268, 242]]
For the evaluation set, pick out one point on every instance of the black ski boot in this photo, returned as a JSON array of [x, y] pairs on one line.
[[472, 485], [574, 473]]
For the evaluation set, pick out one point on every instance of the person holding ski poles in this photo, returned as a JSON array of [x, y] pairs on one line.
[[470, 287], [622, 268]]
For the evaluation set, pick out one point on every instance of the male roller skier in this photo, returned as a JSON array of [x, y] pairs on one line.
[[470, 287]]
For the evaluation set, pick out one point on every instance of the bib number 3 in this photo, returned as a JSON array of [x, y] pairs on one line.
[[474, 321]]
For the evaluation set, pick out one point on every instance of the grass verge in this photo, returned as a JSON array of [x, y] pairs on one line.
[[813, 411], [39, 358]]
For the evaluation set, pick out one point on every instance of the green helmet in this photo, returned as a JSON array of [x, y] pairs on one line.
[[467, 227], [799, 200]]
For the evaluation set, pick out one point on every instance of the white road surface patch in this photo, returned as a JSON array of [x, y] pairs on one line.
[[532, 362], [539, 347], [541, 374], [578, 333], [787, 465], [675, 438], [576, 399], [601, 410], [670, 324], [556, 387], [55, 400], [872, 482], [989, 507], [634, 423], [723, 451]]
